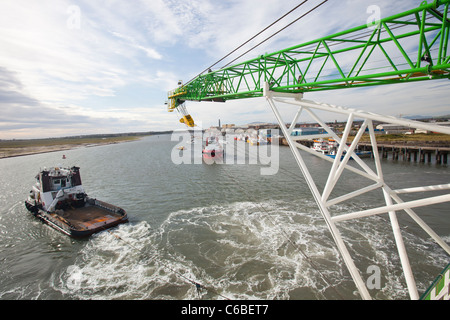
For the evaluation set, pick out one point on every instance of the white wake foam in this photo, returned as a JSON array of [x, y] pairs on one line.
[[244, 250]]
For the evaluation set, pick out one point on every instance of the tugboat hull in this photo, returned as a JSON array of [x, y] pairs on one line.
[[93, 217]]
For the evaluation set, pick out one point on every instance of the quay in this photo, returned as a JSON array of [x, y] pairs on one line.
[[410, 152], [405, 152]]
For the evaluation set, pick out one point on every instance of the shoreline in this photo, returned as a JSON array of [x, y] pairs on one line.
[[14, 152]]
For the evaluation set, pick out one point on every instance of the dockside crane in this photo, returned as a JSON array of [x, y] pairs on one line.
[[407, 47], [358, 57], [175, 104]]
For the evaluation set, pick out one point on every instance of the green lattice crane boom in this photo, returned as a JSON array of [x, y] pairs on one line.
[[407, 47]]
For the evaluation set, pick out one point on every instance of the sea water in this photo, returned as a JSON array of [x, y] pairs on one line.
[[237, 233]]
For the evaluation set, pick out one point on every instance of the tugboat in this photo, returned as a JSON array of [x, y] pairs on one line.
[[59, 200]]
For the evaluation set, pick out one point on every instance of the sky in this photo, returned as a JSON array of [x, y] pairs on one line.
[[72, 67]]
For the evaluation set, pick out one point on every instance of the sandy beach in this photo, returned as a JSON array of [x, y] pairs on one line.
[[17, 152], [19, 148]]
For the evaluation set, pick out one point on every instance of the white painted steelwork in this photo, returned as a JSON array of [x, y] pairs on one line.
[[340, 164]]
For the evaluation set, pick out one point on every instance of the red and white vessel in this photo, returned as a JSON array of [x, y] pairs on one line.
[[213, 150]]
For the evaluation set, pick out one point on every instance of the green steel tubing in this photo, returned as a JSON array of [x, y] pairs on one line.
[[318, 65]]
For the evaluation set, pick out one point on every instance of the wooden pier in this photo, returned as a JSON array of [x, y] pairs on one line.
[[423, 154]]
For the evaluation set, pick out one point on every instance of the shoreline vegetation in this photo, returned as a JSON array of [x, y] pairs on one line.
[[24, 147], [417, 139]]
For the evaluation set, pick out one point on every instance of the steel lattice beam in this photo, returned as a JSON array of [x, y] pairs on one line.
[[340, 163], [410, 46]]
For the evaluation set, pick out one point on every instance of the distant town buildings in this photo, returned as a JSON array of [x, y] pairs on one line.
[[397, 129], [307, 131], [304, 129]]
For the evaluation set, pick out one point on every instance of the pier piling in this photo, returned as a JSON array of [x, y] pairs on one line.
[[410, 153]]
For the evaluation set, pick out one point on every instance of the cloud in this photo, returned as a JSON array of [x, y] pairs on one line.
[[170, 22], [151, 53], [53, 71], [54, 62], [107, 64], [22, 113], [23, 116]]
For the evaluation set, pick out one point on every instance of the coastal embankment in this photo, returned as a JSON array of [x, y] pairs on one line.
[[16, 148]]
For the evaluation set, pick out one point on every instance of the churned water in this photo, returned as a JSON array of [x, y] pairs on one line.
[[239, 234]]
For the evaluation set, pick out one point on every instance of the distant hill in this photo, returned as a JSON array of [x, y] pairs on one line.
[[260, 122], [421, 117]]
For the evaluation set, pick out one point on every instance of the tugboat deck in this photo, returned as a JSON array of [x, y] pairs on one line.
[[89, 217]]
